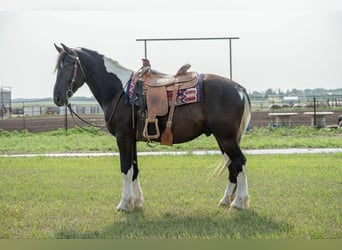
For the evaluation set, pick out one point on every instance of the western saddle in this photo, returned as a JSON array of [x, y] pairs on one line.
[[155, 86]]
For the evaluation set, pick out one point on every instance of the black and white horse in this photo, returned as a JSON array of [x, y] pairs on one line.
[[224, 112]]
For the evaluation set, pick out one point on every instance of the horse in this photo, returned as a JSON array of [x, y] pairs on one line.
[[224, 112]]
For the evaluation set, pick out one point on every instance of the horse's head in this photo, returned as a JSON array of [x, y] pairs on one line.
[[70, 75]]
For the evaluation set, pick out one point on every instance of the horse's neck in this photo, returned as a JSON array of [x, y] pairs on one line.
[[108, 81]]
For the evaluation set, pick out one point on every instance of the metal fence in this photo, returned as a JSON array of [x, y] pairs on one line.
[[36, 117], [29, 109], [270, 103]]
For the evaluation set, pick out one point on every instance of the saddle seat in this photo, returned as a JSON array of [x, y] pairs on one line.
[[186, 80]]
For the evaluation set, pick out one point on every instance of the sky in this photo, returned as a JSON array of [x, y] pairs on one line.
[[291, 44]]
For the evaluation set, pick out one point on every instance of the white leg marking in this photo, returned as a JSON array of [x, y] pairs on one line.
[[241, 200], [126, 203], [138, 198], [229, 194]]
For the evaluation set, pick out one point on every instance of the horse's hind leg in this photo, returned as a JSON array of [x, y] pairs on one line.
[[229, 194], [236, 193], [241, 200]]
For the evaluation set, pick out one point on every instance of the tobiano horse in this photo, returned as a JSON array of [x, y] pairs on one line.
[[223, 112]]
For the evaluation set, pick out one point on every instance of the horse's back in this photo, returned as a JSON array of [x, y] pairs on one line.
[[221, 91]]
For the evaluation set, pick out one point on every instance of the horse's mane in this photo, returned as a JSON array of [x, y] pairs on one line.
[[59, 60], [88, 51], [63, 53]]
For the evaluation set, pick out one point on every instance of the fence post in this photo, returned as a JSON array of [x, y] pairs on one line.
[[24, 124], [314, 99], [66, 120]]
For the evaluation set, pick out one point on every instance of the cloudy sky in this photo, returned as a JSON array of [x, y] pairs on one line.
[[281, 46]]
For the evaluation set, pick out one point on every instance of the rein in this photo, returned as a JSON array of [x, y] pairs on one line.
[[73, 113]]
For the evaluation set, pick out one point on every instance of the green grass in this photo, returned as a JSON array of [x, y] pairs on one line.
[[292, 196], [299, 137], [78, 140]]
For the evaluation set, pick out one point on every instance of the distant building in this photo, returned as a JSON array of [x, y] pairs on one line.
[[5, 101], [290, 98]]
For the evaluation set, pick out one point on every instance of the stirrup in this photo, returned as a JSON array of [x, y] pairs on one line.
[[145, 132]]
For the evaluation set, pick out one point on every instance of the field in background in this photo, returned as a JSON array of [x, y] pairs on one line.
[[78, 140]]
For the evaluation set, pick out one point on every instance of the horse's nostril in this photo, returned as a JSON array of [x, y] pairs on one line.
[[57, 100]]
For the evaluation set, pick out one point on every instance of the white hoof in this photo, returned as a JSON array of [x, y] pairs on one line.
[[125, 205], [138, 202], [138, 198], [240, 203], [226, 200]]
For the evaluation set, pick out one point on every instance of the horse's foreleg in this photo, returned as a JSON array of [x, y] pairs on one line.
[[131, 194], [127, 170], [138, 198], [127, 203]]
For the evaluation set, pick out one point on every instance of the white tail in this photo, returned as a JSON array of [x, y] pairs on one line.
[[246, 116]]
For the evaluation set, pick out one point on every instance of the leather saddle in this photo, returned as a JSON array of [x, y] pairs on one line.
[[156, 86]]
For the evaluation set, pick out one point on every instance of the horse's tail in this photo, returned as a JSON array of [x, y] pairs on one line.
[[246, 116]]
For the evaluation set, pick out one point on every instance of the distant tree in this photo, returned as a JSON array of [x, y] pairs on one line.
[[270, 92]]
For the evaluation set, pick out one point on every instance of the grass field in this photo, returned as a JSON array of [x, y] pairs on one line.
[[292, 196], [78, 140]]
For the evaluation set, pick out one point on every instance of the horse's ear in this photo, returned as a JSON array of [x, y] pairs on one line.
[[67, 49], [59, 49]]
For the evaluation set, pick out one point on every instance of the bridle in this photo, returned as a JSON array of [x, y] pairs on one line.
[[69, 92], [77, 63]]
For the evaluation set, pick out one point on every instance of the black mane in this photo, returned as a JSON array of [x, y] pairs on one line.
[[63, 53], [59, 60]]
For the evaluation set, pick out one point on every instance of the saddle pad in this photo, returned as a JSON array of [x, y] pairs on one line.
[[186, 96]]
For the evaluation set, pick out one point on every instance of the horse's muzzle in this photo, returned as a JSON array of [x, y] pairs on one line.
[[60, 101]]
